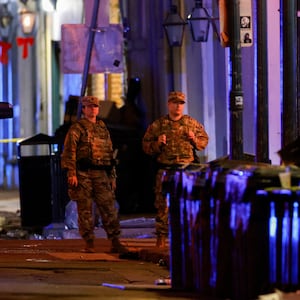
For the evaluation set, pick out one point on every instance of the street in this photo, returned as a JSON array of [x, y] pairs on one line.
[[50, 269]]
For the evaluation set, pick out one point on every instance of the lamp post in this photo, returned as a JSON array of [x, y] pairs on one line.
[[236, 100], [262, 128], [6, 19], [88, 54], [174, 28]]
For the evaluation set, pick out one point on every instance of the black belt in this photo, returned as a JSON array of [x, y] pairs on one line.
[[94, 167], [171, 167]]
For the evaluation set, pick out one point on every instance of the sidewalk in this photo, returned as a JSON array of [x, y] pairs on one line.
[[137, 232], [48, 269], [50, 266]]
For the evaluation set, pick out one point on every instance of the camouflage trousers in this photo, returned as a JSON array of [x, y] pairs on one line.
[[160, 203], [94, 187]]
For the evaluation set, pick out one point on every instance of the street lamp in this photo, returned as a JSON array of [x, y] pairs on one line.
[[174, 27], [199, 20], [5, 21], [27, 21]]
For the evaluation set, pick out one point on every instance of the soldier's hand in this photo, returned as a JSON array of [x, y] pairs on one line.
[[113, 183], [72, 181], [162, 139], [191, 135]]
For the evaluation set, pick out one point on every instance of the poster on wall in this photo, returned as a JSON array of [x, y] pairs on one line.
[[246, 28], [107, 51]]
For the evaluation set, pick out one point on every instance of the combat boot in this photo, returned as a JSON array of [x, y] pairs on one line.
[[117, 247], [161, 241], [89, 247]]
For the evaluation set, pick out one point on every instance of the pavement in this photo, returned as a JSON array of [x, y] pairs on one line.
[[51, 265], [137, 230]]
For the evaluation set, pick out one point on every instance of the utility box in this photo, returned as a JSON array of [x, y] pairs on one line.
[[41, 182]]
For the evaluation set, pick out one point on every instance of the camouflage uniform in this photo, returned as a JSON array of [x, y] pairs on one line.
[[178, 150], [88, 154]]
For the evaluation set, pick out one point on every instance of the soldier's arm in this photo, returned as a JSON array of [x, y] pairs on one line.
[[151, 144], [68, 157], [200, 140]]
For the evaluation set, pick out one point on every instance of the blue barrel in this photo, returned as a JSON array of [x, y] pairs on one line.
[[233, 231]]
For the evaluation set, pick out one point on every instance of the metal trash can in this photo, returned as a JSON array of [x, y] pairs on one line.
[[281, 239], [180, 188], [42, 185], [223, 238]]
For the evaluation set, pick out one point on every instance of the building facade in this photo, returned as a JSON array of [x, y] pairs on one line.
[[38, 88]]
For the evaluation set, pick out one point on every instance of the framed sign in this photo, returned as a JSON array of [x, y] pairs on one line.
[[107, 52], [246, 28]]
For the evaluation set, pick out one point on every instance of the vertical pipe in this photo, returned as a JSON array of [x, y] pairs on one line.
[[5, 124], [88, 52], [106, 86], [262, 128], [236, 94], [171, 79], [298, 68], [289, 44]]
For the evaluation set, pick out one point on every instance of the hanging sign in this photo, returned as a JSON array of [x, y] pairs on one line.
[[246, 28], [106, 54]]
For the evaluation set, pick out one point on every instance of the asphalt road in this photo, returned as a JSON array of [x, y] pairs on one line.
[[51, 269]]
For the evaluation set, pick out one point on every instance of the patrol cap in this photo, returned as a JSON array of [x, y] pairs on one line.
[[90, 100], [176, 97]]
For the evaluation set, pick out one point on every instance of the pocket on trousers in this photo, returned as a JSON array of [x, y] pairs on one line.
[[73, 192]]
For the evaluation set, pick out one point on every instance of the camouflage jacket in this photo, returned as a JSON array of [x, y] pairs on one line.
[[88, 142], [179, 149]]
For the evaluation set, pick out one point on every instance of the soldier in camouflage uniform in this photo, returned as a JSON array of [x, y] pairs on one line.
[[172, 139], [88, 158]]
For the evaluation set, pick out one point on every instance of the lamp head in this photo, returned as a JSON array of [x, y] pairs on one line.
[[6, 19], [174, 27], [199, 20], [27, 21]]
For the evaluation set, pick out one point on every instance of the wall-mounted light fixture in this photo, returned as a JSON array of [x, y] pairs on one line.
[[5, 21], [199, 20], [27, 21], [174, 27]]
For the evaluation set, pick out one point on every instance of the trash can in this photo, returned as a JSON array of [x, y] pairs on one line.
[[237, 230], [41, 182], [180, 187]]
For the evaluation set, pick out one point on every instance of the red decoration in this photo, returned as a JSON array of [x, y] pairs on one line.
[[25, 42], [4, 52]]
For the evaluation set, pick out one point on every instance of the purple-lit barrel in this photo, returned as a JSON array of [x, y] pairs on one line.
[[171, 187], [234, 231], [181, 188], [282, 247], [245, 258]]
